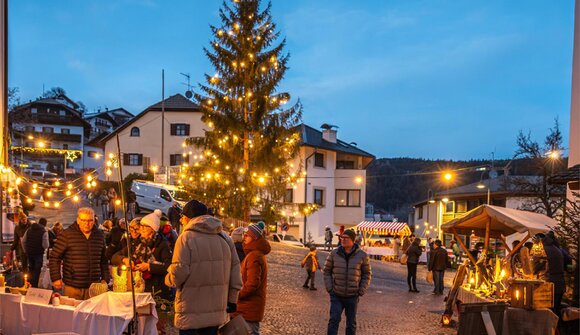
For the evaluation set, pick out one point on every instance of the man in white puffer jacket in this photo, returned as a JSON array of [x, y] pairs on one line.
[[205, 269]]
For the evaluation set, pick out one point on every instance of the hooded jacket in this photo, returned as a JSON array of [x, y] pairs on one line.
[[205, 269], [347, 275], [414, 252], [555, 266], [252, 300], [83, 260]]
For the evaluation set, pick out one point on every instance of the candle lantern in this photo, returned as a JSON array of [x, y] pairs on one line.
[[531, 294], [122, 280]]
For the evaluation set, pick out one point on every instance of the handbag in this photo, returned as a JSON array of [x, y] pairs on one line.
[[404, 259], [429, 277], [236, 326]]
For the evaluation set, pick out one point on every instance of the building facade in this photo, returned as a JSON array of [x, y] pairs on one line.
[[48, 134], [107, 121]]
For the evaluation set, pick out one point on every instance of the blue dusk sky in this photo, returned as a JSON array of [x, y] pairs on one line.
[[433, 79]]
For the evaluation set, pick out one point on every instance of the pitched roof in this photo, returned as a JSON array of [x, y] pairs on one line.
[[175, 103], [570, 175], [98, 141], [113, 116], [313, 138]]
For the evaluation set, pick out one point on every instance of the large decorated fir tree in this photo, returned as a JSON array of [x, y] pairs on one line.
[[251, 142]]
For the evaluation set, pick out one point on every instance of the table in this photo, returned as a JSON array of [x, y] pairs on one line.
[[467, 296], [108, 313], [380, 251], [518, 321]]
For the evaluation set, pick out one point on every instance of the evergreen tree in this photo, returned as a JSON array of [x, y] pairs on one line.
[[252, 140]]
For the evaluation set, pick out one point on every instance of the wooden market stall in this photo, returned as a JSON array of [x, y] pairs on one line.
[[487, 283], [395, 229]]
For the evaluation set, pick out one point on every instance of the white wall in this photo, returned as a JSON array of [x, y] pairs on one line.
[[93, 162], [149, 141]]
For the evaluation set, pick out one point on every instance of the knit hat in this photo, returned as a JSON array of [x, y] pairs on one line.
[[256, 230], [152, 220], [238, 234], [350, 234], [194, 208]]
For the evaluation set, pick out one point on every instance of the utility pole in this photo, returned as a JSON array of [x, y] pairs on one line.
[[162, 117]]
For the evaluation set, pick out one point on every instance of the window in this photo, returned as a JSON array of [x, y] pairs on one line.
[[461, 206], [345, 165], [420, 212], [65, 146], [289, 195], [29, 129], [471, 204], [318, 159], [48, 130], [164, 195], [179, 129], [65, 131], [132, 159], [178, 159], [319, 197], [93, 154], [135, 132], [347, 198], [34, 110], [62, 113], [449, 207]]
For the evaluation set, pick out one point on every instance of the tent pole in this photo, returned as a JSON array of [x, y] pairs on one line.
[[502, 238], [487, 228], [464, 247], [519, 245]]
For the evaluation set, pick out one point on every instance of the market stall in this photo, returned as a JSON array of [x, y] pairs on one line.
[[393, 229], [484, 279]]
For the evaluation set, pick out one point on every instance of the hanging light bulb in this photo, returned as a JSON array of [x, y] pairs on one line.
[[57, 204], [69, 186], [93, 183], [68, 193], [76, 198], [46, 204]]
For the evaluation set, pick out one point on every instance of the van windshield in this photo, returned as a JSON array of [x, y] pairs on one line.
[[179, 195]]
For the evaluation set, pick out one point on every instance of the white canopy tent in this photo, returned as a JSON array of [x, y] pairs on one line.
[[498, 222]]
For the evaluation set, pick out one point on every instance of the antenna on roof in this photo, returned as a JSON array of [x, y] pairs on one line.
[[189, 92]]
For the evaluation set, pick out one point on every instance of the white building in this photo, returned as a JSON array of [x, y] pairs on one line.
[[444, 206], [107, 121], [335, 180], [141, 138]]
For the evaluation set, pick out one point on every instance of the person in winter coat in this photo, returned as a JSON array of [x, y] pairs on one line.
[[151, 255], [169, 233], [80, 252], [112, 195], [131, 204], [174, 215], [407, 243], [438, 264], [19, 232], [347, 275], [114, 242], [35, 242], [208, 281], [252, 299], [413, 253], [327, 238], [339, 234], [554, 272], [238, 238], [311, 264]]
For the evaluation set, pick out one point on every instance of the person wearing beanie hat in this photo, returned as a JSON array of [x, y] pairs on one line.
[[208, 279], [252, 299], [347, 275], [238, 238], [151, 255]]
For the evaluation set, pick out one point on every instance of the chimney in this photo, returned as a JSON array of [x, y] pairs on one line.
[[328, 133]]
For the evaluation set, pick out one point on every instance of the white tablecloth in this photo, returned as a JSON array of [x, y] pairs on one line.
[[108, 313], [379, 251]]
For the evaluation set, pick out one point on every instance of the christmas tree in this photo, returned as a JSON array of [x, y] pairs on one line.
[[249, 150]]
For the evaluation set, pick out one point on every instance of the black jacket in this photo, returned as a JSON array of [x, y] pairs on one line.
[[114, 243], [19, 232], [438, 260], [555, 269], [413, 253], [34, 236], [162, 254], [83, 260], [174, 214]]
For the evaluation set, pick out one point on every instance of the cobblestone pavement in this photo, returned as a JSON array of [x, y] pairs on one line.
[[387, 308]]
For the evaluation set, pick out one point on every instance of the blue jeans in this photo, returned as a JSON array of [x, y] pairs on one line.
[[35, 266], [201, 331], [337, 305], [105, 210], [438, 281]]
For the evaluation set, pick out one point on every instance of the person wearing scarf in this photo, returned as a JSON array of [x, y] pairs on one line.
[[151, 255], [311, 263]]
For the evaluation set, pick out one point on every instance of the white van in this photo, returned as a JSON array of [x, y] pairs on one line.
[[42, 175], [152, 195]]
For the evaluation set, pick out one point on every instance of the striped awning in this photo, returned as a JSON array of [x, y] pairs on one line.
[[385, 228]]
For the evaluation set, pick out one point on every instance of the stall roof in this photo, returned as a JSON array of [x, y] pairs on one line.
[[504, 221], [384, 228]]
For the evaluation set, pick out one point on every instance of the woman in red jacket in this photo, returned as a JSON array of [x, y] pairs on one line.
[[252, 298]]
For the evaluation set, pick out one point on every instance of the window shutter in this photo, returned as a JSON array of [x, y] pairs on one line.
[[172, 159], [125, 159], [140, 160], [186, 158], [187, 129], [173, 129]]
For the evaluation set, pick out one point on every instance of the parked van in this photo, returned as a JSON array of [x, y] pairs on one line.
[[42, 175], [151, 196]]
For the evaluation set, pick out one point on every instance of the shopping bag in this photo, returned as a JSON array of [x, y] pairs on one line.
[[44, 279], [404, 259], [236, 326], [429, 277]]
